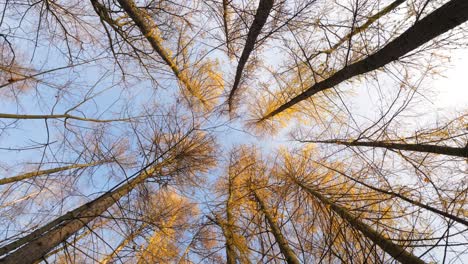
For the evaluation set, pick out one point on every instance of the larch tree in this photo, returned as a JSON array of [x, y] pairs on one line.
[[224, 131]]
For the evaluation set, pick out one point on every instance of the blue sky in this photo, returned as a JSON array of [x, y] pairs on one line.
[[452, 97]]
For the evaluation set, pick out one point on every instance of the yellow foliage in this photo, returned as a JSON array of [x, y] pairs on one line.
[[172, 213], [206, 84], [306, 112]]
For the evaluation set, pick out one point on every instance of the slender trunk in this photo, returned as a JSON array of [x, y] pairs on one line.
[[444, 150], [227, 227], [231, 255], [33, 174], [261, 16], [287, 252], [226, 29], [60, 116], [404, 198], [361, 28], [445, 18], [149, 29], [394, 250], [34, 246]]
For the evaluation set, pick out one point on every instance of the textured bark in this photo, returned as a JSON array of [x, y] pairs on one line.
[[385, 244], [33, 174], [231, 255], [37, 244], [261, 16], [438, 22], [444, 150], [103, 13], [287, 252], [75, 239]]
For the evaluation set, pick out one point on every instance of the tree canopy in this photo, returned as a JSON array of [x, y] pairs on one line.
[[225, 131]]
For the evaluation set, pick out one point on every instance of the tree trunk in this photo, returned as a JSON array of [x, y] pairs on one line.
[[61, 116], [438, 22], [444, 150], [385, 244], [35, 245], [226, 29], [33, 174], [404, 198], [287, 252], [149, 29], [363, 27], [231, 255], [261, 16], [75, 239]]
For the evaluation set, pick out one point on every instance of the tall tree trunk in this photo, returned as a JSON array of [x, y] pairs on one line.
[[287, 252], [227, 227], [35, 245], [149, 29], [226, 27], [445, 150], [261, 16], [33, 174], [445, 18], [75, 239], [403, 197], [231, 255], [394, 250], [61, 116], [361, 28]]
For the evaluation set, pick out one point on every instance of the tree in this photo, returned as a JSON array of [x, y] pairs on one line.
[[236, 244], [261, 15], [231, 131], [291, 172], [171, 161], [173, 214], [447, 17]]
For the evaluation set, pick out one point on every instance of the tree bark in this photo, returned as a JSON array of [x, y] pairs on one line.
[[404, 198], [33, 174], [261, 16], [287, 252], [363, 27], [35, 245], [231, 255], [60, 116], [444, 150], [445, 18], [149, 29], [75, 239], [394, 250], [227, 228], [226, 29]]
